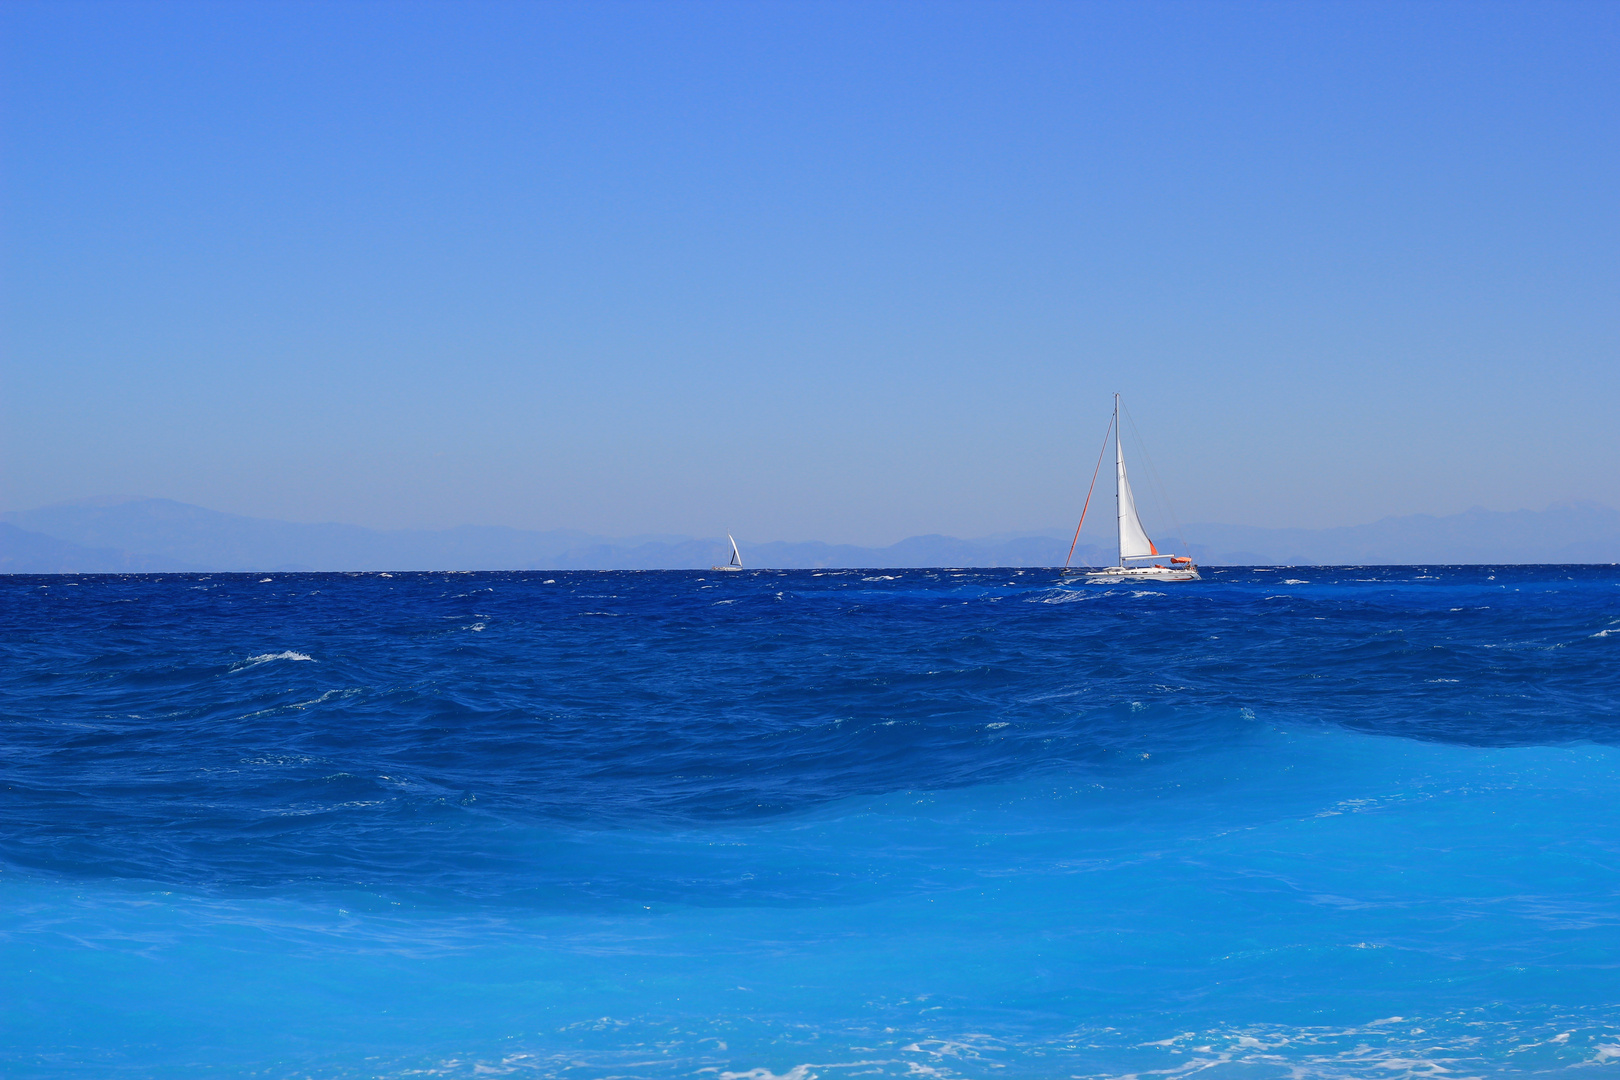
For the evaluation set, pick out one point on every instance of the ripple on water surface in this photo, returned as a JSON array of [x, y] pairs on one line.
[[1310, 822]]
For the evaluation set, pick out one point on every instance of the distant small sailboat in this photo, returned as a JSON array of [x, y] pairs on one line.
[[736, 557], [1134, 545]]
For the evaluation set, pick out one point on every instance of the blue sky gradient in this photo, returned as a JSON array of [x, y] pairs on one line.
[[848, 272]]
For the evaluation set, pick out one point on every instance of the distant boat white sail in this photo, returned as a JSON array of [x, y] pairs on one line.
[[1134, 542], [736, 557]]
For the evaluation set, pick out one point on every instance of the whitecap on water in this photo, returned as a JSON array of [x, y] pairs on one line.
[[265, 658], [1058, 596]]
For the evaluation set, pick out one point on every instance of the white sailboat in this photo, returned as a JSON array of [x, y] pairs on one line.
[[736, 557], [1134, 545]]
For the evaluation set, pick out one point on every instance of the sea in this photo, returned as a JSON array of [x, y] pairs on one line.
[[1307, 822]]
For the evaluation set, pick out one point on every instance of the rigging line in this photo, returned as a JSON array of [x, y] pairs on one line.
[[1089, 490], [1160, 495], [1153, 473]]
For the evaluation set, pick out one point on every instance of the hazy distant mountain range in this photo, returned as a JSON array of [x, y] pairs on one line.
[[144, 535]]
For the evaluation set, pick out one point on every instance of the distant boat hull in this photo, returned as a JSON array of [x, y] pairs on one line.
[[728, 569]]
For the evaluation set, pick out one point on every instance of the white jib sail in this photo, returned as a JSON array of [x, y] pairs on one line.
[[736, 556], [1133, 539]]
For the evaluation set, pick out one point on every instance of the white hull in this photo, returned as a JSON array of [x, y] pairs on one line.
[[728, 569], [1143, 573]]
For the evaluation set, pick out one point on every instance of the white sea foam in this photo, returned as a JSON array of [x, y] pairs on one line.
[[328, 696], [798, 1072], [310, 809], [804, 1072], [1059, 596], [265, 658], [1459, 1046], [1295, 581]]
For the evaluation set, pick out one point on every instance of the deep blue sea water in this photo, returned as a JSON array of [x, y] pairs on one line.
[[1350, 822]]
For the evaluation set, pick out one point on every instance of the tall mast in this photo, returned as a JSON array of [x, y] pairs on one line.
[[1119, 482]]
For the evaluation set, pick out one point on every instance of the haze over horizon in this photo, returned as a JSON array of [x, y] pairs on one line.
[[850, 273], [1099, 526], [153, 536]]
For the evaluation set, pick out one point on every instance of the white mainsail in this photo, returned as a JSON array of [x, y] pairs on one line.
[[1133, 539], [736, 556]]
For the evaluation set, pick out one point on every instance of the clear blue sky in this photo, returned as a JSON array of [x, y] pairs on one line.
[[809, 271]]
